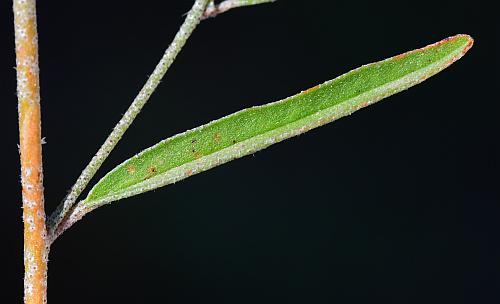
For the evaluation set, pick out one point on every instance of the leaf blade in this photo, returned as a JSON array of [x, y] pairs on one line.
[[256, 128]]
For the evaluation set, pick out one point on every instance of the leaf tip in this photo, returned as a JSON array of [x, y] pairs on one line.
[[460, 42], [468, 39], [465, 41]]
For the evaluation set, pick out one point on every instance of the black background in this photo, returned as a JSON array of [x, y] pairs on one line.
[[398, 203]]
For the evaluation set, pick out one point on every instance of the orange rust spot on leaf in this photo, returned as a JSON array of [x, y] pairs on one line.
[[217, 137], [189, 172], [131, 169], [400, 56], [311, 89], [152, 170], [198, 155]]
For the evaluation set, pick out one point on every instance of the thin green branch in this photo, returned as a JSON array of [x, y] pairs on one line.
[[216, 9], [192, 19]]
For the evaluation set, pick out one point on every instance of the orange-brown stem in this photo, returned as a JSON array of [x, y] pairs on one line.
[[30, 146]]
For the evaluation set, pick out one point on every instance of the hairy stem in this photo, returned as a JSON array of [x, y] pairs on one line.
[[216, 9], [30, 148], [192, 19]]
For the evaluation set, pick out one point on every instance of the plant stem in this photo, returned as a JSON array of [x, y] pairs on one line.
[[28, 93], [192, 19], [214, 10]]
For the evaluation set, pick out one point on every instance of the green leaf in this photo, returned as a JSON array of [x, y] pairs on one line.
[[254, 129]]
